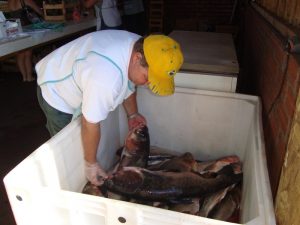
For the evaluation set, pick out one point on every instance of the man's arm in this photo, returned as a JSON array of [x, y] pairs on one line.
[[91, 134], [134, 118], [130, 105]]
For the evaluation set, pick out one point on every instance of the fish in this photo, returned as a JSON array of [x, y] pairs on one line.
[[157, 161], [136, 149], [157, 152], [237, 167], [211, 200], [112, 195], [157, 155], [190, 208], [182, 163], [92, 189], [214, 166], [119, 152], [163, 186], [226, 208]]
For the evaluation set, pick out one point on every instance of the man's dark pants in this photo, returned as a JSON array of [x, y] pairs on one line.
[[56, 120]]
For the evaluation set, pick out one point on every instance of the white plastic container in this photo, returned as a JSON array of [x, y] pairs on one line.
[[206, 81], [45, 187], [210, 61]]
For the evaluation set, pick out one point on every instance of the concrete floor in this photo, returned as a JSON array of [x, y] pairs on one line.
[[22, 130]]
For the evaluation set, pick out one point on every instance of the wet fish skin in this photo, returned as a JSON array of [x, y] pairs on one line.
[[157, 155], [225, 209], [136, 149], [215, 165], [155, 160], [182, 163], [211, 200], [157, 185]]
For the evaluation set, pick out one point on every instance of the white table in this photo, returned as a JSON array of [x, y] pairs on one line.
[[210, 61], [40, 38]]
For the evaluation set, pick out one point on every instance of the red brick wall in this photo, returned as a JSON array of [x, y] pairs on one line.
[[273, 74]]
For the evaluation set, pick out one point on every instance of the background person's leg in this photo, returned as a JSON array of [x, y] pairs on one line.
[[28, 65], [21, 64]]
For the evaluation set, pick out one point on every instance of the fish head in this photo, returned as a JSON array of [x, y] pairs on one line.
[[138, 138], [229, 172]]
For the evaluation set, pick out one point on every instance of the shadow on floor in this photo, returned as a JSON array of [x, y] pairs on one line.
[[22, 130]]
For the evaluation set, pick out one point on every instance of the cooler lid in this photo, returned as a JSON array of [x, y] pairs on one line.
[[207, 52]]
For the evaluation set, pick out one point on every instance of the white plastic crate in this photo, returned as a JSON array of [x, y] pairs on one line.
[[45, 187]]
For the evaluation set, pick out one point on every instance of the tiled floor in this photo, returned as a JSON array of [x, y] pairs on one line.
[[22, 130]]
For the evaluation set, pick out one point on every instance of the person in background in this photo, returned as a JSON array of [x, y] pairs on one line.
[[134, 19], [24, 58], [107, 13], [97, 72]]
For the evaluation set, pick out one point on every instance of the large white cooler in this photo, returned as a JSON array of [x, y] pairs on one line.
[[210, 61], [45, 187]]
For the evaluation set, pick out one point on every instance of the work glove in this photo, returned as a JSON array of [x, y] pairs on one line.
[[135, 120], [94, 173]]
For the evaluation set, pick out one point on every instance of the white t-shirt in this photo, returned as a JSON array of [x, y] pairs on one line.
[[91, 72]]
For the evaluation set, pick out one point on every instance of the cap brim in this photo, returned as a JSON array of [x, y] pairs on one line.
[[162, 86]]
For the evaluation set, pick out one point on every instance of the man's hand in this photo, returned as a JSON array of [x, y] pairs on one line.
[[135, 120], [94, 173]]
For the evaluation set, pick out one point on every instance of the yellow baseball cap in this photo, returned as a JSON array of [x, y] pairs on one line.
[[164, 58]]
